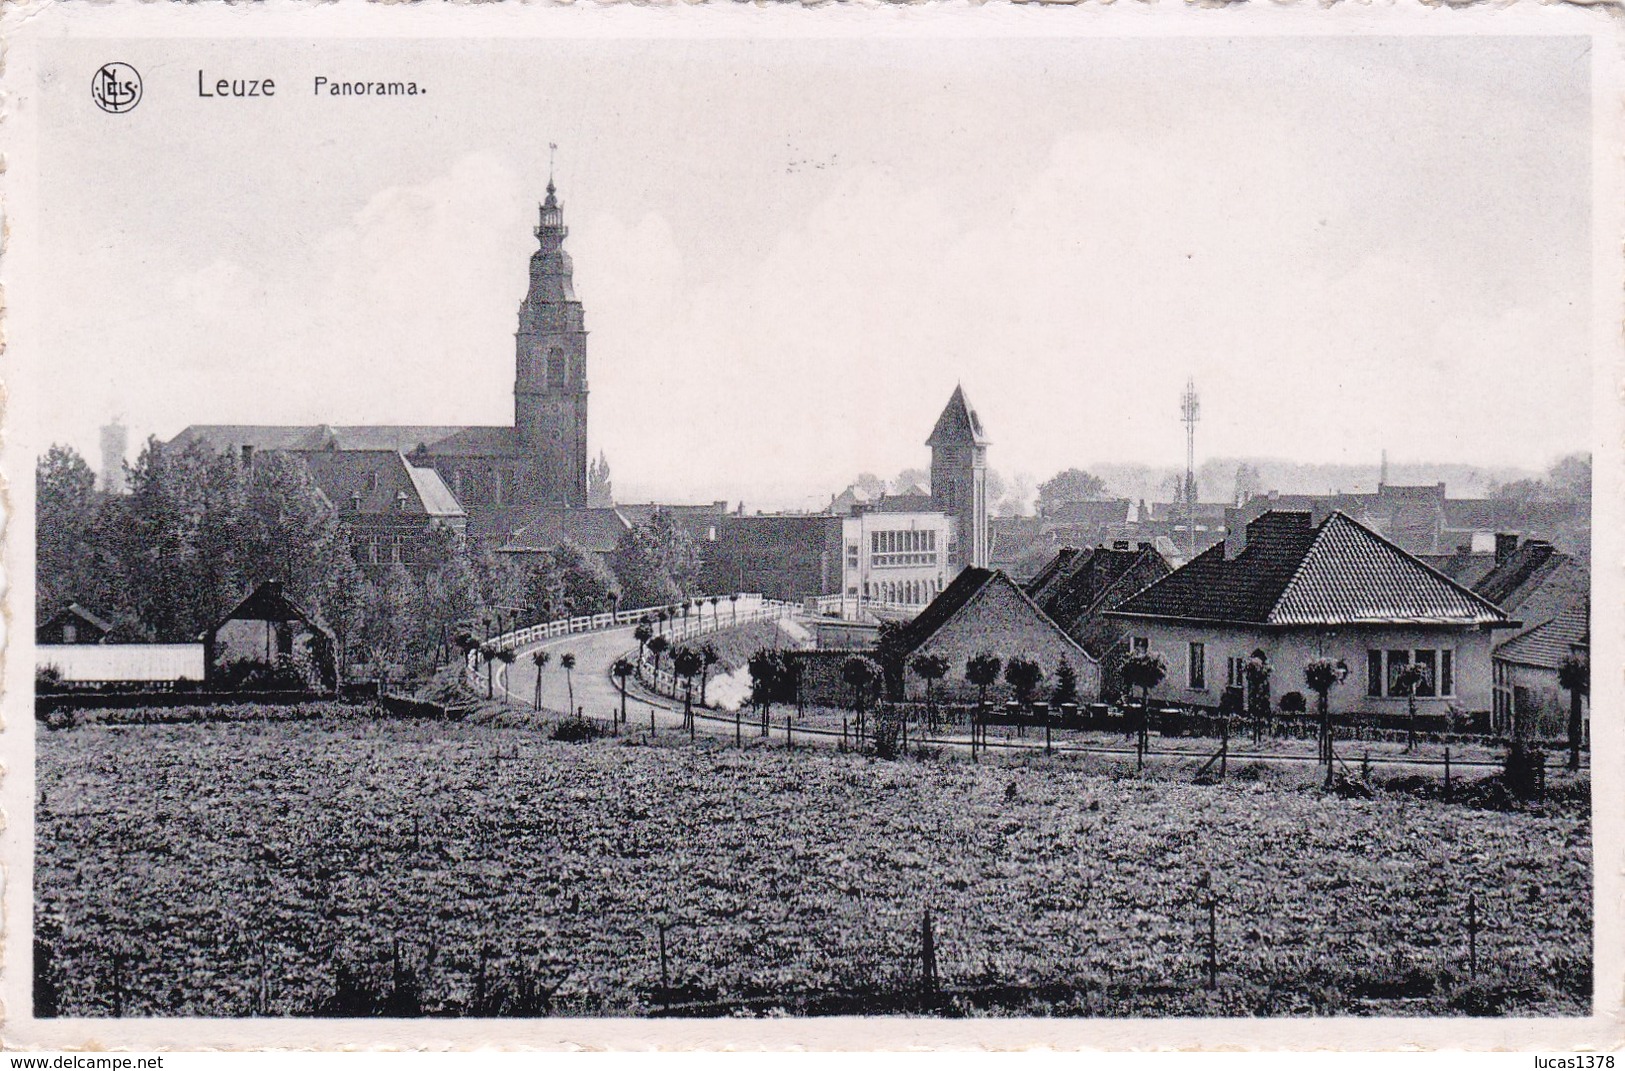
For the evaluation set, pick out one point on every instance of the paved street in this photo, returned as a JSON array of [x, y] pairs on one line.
[[595, 691]]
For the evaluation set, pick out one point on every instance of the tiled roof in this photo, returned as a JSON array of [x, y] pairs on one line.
[[1545, 646], [1094, 511], [1055, 572], [1291, 573], [958, 423], [1096, 583], [372, 481], [596, 530], [450, 441], [1464, 567], [961, 590], [1514, 577], [921, 503], [965, 587], [74, 610]]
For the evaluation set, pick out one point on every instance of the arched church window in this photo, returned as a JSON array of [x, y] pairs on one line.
[[555, 368]]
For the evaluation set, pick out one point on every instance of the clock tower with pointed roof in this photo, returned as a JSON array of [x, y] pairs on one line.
[[550, 376], [959, 478]]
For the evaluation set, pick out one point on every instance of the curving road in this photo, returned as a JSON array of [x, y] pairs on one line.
[[596, 693]]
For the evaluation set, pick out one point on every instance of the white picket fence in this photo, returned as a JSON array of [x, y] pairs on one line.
[[836, 606], [703, 617], [666, 682]]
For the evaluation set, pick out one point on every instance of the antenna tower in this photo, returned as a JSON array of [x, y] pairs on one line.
[[1190, 410]]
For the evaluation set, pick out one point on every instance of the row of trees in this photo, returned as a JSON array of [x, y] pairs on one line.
[[199, 529]]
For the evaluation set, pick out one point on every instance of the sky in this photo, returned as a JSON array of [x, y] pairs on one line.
[[790, 251]]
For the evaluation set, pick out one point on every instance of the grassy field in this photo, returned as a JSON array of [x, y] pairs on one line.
[[345, 866]]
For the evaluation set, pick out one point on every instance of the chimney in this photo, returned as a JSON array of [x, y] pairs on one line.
[[248, 455], [1235, 540], [1506, 544], [1121, 544], [1144, 545]]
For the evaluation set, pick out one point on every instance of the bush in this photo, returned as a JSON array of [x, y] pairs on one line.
[[887, 736], [1293, 703], [575, 730], [1524, 769], [47, 679]]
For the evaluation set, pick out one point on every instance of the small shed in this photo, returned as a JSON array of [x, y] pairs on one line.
[[267, 643], [73, 624]]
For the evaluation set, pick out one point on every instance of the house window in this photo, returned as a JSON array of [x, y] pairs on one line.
[[1198, 667], [70, 634], [1235, 671], [1438, 672], [1140, 645], [407, 548]]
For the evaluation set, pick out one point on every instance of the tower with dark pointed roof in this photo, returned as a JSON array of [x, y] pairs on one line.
[[959, 478], [550, 379]]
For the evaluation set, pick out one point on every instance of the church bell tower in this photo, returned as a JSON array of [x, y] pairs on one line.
[[959, 478], [550, 378]]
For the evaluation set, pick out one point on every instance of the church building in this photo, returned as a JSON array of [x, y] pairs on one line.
[[501, 476]]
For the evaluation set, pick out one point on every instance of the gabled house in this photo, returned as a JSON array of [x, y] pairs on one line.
[[983, 610], [73, 624], [1527, 686], [390, 506], [595, 530], [1079, 587], [1293, 591], [268, 643]]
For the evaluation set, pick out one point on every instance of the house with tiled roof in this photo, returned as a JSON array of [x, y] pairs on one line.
[[1290, 591], [983, 610], [597, 531], [1083, 585], [1526, 670], [1537, 584], [394, 510]]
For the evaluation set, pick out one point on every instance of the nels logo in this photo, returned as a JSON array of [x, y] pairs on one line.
[[116, 87]]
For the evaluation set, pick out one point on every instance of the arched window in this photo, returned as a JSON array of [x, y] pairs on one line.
[[555, 369]]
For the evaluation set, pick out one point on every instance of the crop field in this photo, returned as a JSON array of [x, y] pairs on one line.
[[350, 866]]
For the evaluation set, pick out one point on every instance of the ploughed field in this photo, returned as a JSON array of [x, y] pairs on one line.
[[351, 866]]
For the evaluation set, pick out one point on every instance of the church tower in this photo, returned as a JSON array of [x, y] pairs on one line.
[[550, 379], [959, 478]]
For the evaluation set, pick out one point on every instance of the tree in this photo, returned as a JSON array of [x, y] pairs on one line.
[[567, 662], [931, 668], [641, 577], [507, 656], [1071, 485], [891, 652], [733, 608], [913, 478], [686, 663], [585, 582], [1322, 675], [541, 659], [642, 634], [673, 549], [983, 671], [1143, 671], [1023, 676], [621, 670], [870, 484], [1411, 678], [1574, 677], [708, 658], [1257, 671], [860, 675], [600, 490], [1066, 683], [657, 647], [767, 678]]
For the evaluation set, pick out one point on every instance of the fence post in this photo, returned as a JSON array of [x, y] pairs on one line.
[[928, 954], [843, 732], [739, 740], [1447, 772], [1212, 935], [1472, 935], [1047, 750], [651, 723], [1224, 747], [789, 738]]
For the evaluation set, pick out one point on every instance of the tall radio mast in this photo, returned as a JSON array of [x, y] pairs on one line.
[[1190, 412]]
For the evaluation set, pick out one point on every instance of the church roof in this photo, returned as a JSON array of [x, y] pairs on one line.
[[438, 440], [597, 530], [958, 423]]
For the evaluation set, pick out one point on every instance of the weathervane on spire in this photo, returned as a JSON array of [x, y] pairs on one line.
[[552, 150]]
